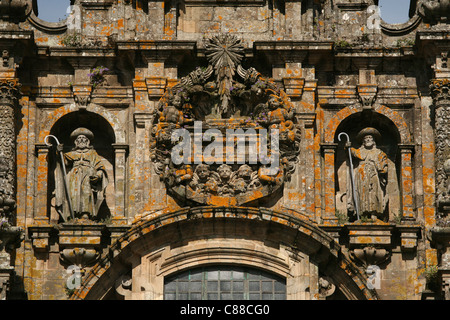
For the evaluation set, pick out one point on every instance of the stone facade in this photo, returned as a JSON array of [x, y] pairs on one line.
[[341, 217]]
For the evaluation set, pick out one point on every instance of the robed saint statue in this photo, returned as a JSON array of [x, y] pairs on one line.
[[86, 178]]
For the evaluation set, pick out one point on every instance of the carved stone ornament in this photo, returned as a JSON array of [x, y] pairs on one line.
[[441, 107], [367, 95], [9, 93], [370, 255], [224, 104], [80, 243], [15, 9], [434, 10], [440, 90], [326, 287]]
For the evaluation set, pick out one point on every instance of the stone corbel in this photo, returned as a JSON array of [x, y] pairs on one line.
[[82, 88], [123, 286], [81, 244], [155, 87], [294, 87], [409, 236], [370, 244], [82, 95], [326, 288], [369, 255], [367, 94], [40, 236]]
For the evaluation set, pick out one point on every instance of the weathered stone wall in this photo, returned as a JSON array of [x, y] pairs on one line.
[[339, 74]]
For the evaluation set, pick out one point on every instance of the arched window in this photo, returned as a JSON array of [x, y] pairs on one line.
[[394, 12], [53, 10], [224, 283]]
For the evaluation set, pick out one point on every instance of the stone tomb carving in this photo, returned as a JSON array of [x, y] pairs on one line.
[[217, 108]]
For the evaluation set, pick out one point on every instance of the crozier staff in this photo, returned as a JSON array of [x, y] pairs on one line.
[[86, 177]]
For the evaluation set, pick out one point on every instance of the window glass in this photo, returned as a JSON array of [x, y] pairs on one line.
[[224, 283]]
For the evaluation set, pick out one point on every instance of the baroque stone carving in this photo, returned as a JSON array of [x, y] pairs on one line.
[[440, 93], [326, 287], [434, 10], [9, 93], [14, 9], [86, 178], [370, 174], [223, 97]]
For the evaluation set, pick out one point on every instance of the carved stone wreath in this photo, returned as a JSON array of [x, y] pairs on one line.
[[224, 96]]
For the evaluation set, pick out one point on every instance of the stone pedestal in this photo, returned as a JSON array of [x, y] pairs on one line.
[[370, 244], [81, 244]]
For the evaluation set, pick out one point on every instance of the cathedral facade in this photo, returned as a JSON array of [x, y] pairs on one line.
[[207, 149]]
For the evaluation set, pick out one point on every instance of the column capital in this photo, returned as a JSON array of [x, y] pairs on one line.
[[406, 147], [9, 90], [439, 89], [328, 147], [142, 118]]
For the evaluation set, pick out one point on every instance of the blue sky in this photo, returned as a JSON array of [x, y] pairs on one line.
[[392, 11]]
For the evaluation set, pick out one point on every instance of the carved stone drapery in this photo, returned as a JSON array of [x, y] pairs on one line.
[[441, 110]]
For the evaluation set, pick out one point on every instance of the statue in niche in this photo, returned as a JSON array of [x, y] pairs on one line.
[[86, 178], [370, 174]]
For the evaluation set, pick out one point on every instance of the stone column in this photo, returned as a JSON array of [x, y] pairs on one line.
[[9, 92], [329, 215], [42, 152], [120, 151], [407, 182], [441, 234], [441, 110], [10, 236]]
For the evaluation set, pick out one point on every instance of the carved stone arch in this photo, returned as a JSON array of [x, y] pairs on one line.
[[162, 244], [51, 118], [395, 117]]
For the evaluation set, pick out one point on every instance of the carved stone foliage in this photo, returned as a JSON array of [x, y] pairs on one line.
[[224, 103], [9, 92], [440, 93]]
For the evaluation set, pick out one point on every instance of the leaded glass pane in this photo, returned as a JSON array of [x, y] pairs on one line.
[[226, 283]]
